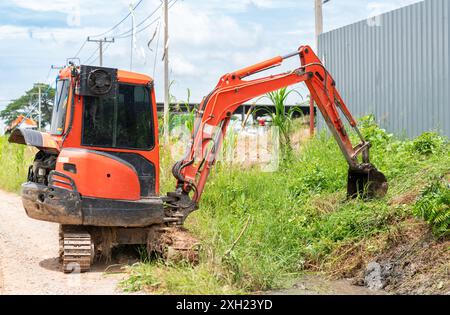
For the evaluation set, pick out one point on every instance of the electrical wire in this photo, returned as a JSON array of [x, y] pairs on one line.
[[87, 61], [126, 34], [130, 31], [104, 50], [156, 51], [48, 74], [141, 30], [121, 21], [81, 48]]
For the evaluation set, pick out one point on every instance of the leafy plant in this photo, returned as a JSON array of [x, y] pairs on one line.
[[428, 143], [372, 132], [434, 206], [281, 118]]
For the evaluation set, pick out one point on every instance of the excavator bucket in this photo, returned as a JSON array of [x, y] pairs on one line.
[[366, 182]]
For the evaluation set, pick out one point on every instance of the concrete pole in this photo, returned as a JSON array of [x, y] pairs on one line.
[[318, 31], [319, 20], [101, 53], [40, 108], [166, 72]]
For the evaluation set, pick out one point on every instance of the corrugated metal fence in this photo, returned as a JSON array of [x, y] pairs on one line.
[[395, 66]]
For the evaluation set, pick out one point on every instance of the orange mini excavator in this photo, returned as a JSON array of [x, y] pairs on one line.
[[97, 170]]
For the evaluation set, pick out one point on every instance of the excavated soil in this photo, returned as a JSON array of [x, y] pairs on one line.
[[415, 263], [407, 260]]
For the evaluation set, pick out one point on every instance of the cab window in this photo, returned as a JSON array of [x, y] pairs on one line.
[[60, 107], [124, 121]]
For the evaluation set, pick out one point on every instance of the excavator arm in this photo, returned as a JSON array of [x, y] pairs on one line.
[[214, 114]]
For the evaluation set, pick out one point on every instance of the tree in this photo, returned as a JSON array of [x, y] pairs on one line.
[[24, 104]]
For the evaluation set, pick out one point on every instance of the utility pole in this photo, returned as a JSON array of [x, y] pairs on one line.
[[319, 20], [166, 72], [318, 31], [133, 35], [39, 87], [100, 48]]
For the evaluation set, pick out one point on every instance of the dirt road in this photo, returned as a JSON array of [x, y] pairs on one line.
[[28, 258]]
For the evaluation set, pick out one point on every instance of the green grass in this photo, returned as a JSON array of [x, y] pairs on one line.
[[159, 278], [14, 162], [298, 215]]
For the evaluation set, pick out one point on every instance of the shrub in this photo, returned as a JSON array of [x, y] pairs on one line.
[[429, 143], [372, 132], [434, 206]]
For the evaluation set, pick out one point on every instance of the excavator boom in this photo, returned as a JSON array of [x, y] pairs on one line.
[[216, 109]]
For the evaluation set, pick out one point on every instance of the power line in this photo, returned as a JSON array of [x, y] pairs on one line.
[[104, 50], [81, 48], [92, 55], [156, 51], [121, 21], [130, 31], [111, 29], [100, 46], [141, 30], [48, 74]]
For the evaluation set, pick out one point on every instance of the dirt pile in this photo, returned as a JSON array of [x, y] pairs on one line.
[[412, 262]]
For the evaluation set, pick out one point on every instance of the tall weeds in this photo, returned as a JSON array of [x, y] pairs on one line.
[[14, 162]]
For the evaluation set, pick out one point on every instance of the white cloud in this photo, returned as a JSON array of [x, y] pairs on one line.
[[230, 6], [46, 5], [194, 27], [378, 7], [181, 66], [45, 34]]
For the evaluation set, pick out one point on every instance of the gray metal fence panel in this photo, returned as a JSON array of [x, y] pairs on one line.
[[395, 66]]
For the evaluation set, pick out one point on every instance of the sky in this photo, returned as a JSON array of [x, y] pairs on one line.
[[207, 38]]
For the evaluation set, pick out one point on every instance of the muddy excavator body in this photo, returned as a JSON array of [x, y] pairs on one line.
[[97, 169]]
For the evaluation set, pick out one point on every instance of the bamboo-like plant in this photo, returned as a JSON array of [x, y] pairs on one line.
[[282, 118]]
